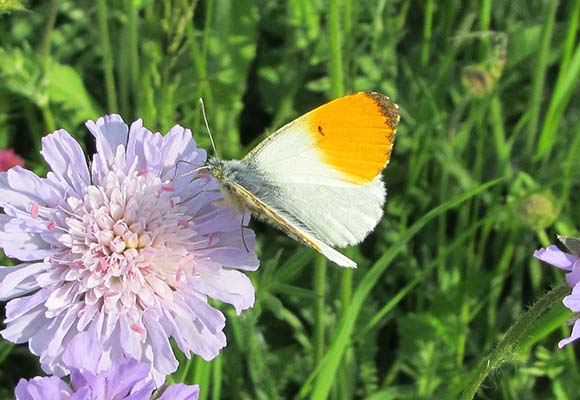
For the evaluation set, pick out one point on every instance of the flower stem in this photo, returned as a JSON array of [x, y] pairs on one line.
[[319, 305], [108, 67], [335, 41], [48, 28], [133, 38], [427, 31], [511, 340], [44, 53]]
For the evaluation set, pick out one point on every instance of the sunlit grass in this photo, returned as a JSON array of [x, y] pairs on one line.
[[488, 93]]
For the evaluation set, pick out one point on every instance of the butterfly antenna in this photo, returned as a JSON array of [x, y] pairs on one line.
[[207, 127], [190, 172]]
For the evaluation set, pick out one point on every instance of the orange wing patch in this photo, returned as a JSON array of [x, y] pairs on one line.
[[355, 133]]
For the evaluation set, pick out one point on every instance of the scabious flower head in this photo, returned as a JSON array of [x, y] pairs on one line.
[[128, 250], [9, 159], [570, 263], [126, 379]]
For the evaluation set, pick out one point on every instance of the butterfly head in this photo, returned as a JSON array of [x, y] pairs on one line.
[[229, 170], [216, 167]]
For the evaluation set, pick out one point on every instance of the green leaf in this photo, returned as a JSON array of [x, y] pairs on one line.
[[7, 6], [66, 88]]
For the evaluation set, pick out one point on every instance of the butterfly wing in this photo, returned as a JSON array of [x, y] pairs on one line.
[[269, 211], [325, 166]]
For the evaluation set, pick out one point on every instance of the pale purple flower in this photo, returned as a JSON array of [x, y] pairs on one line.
[[559, 259], [128, 251], [127, 379], [570, 263]]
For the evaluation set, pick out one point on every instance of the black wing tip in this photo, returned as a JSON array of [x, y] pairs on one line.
[[389, 108]]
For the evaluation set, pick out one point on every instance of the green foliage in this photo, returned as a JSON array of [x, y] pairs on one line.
[[10, 5], [485, 170]]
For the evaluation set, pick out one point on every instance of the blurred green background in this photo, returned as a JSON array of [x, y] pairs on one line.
[[488, 89]]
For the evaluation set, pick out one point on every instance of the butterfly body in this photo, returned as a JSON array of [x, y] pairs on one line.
[[318, 178]]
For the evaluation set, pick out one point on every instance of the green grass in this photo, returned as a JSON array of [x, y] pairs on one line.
[[489, 124]]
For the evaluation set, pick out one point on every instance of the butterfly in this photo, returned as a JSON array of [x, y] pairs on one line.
[[318, 178]]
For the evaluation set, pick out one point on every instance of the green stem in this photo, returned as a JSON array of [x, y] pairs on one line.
[[107, 56], [508, 345], [563, 90], [202, 377], [543, 236], [199, 54], [337, 89], [216, 387], [570, 41], [485, 15], [541, 67], [48, 28], [502, 147], [320, 291], [335, 39], [44, 52], [346, 288], [427, 31], [133, 27], [348, 41], [48, 118], [346, 372]]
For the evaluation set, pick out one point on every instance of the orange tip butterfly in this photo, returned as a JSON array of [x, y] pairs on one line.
[[318, 178]]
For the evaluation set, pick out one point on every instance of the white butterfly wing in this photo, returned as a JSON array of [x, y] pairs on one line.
[[321, 173], [328, 163], [338, 212]]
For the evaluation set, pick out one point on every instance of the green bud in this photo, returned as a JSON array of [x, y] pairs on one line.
[[538, 210], [477, 80]]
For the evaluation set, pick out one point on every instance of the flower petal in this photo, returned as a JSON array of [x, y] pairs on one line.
[[10, 196], [194, 335], [17, 308], [179, 391], [179, 150], [572, 301], [137, 138], [141, 393], [67, 160], [143, 149], [42, 388], [110, 132], [556, 257], [574, 277], [34, 188], [206, 344], [573, 336], [25, 246], [125, 375], [25, 327], [208, 316], [131, 341], [20, 279], [163, 359], [229, 286], [228, 249], [83, 352]]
